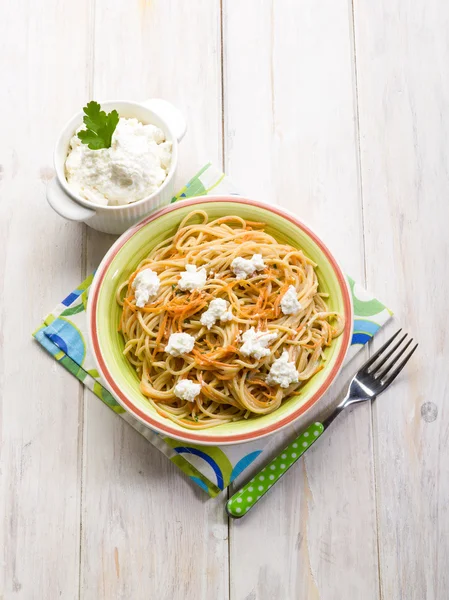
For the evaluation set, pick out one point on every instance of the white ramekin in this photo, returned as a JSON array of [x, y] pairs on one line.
[[117, 219]]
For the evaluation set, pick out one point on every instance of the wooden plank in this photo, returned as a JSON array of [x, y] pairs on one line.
[[146, 531], [44, 81], [402, 57], [291, 138]]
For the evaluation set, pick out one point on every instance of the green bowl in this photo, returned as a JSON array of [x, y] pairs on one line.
[[104, 314]]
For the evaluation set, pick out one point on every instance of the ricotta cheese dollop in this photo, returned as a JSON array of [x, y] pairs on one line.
[[282, 372], [244, 267], [180, 343], [192, 278], [290, 304], [255, 343], [146, 286], [187, 390], [217, 310], [135, 166]]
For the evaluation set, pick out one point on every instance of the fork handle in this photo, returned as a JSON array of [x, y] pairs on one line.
[[240, 503]]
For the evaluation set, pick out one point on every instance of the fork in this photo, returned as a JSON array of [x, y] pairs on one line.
[[373, 378]]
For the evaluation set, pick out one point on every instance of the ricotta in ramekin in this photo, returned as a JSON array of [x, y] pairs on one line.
[[134, 167]]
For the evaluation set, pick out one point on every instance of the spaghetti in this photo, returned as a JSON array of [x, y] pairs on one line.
[[233, 385]]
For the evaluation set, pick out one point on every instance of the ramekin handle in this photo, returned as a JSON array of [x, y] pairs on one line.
[[64, 205], [172, 115]]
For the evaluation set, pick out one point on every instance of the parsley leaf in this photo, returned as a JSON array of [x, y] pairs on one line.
[[99, 126]]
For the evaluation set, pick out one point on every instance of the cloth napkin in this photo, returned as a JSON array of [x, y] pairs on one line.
[[63, 334]]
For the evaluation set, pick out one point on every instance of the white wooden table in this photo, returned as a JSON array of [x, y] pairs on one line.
[[338, 112]]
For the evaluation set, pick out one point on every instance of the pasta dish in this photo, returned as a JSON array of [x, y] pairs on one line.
[[221, 322]]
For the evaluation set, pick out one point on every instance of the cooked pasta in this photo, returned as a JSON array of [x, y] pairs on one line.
[[217, 374]]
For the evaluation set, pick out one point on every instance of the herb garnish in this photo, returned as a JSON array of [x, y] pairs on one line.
[[99, 126]]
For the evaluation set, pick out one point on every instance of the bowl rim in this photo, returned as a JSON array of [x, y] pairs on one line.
[[192, 436]]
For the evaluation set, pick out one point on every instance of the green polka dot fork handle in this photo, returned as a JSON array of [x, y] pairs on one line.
[[245, 499], [370, 380]]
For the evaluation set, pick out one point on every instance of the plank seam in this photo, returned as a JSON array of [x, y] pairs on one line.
[[360, 184], [82, 440], [223, 162]]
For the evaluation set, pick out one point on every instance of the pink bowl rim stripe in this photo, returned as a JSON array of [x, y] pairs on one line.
[[190, 435]]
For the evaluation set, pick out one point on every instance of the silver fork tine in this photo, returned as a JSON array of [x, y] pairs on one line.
[[381, 373], [376, 355], [376, 368], [399, 368]]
